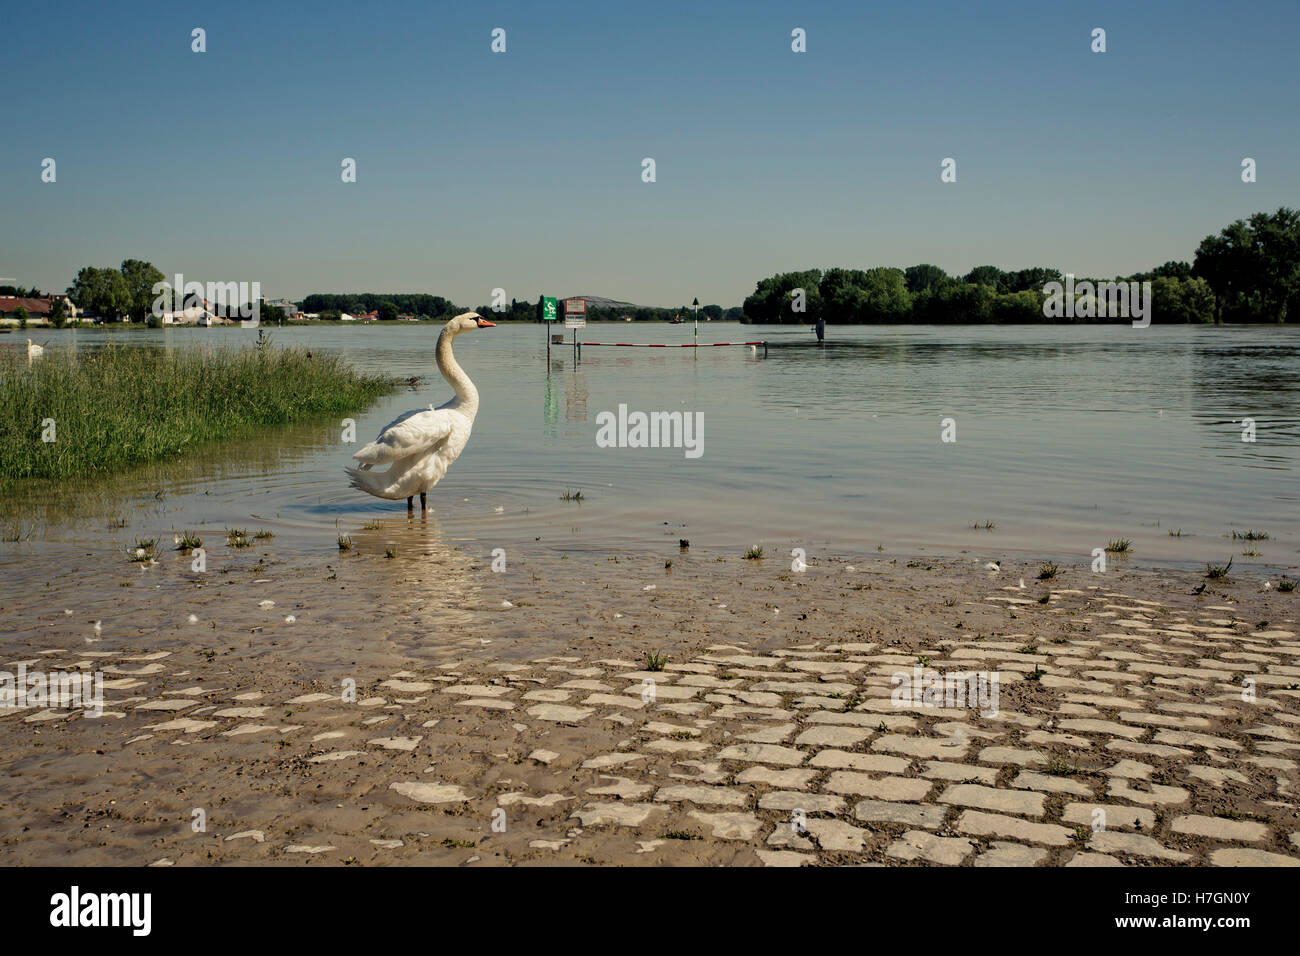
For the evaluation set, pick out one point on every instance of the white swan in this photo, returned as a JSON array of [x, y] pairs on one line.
[[34, 351], [421, 445]]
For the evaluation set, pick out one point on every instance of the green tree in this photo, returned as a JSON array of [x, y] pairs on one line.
[[1253, 267], [21, 315], [925, 278], [990, 276], [59, 313], [101, 291], [139, 277], [388, 311], [887, 297]]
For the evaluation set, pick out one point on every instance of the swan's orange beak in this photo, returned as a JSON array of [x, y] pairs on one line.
[[485, 324]]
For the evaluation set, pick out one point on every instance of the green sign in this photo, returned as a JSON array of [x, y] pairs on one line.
[[548, 309]]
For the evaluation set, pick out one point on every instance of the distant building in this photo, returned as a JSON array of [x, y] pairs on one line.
[[38, 309], [194, 315]]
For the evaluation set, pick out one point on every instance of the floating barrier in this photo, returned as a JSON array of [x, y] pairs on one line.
[[680, 345]]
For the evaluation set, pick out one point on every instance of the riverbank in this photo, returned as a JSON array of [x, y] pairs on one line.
[[606, 708], [74, 414]]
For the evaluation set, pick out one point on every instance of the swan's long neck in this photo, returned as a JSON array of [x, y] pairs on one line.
[[466, 393]]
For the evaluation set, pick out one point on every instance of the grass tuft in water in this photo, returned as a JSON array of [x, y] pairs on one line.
[[146, 549], [121, 405], [1120, 546], [1286, 585], [1218, 570], [755, 553], [654, 661], [1047, 571], [188, 541]]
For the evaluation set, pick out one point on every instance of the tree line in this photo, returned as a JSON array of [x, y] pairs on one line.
[[1249, 272]]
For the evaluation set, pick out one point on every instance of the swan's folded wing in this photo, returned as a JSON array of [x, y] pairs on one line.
[[409, 434]]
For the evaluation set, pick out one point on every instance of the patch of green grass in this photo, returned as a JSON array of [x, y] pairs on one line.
[[146, 549], [1058, 768], [1047, 571], [188, 541], [345, 543], [389, 553], [237, 538], [755, 553], [461, 844], [1120, 546], [571, 495], [373, 525], [1249, 535], [1218, 570], [654, 661], [263, 535], [679, 835], [123, 405], [1251, 552], [1028, 649], [985, 526], [1043, 599], [1286, 585]]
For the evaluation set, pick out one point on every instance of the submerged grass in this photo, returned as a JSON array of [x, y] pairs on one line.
[[119, 405]]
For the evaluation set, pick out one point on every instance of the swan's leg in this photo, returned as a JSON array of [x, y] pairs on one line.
[[424, 503], [410, 505]]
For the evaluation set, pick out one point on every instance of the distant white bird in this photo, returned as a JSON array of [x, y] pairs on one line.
[[421, 445], [992, 567], [34, 351]]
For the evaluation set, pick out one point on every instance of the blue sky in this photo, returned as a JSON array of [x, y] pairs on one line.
[[523, 170]]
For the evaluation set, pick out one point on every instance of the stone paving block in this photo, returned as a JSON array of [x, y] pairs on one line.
[[1244, 856], [937, 748], [763, 753], [1116, 816], [1134, 844], [808, 802], [978, 823], [836, 835], [1049, 783], [830, 736], [1217, 828], [729, 826], [959, 772], [993, 798], [880, 788], [914, 815], [705, 796], [792, 779], [1010, 854], [841, 760], [919, 845]]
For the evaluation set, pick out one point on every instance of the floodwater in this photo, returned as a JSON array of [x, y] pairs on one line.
[[1066, 437]]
